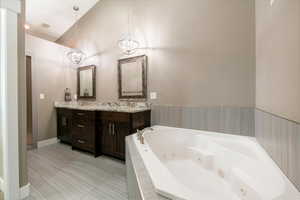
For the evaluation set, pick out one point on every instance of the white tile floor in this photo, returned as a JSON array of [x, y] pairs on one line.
[[58, 173]]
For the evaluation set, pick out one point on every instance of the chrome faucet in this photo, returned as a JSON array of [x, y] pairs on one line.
[[140, 134]]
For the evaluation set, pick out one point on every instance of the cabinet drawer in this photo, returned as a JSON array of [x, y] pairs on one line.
[[82, 123], [83, 115], [115, 116], [82, 143], [84, 132]]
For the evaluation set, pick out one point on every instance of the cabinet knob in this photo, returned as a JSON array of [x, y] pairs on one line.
[[80, 114], [80, 126]]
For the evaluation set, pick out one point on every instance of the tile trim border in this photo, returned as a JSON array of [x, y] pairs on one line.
[[276, 115]]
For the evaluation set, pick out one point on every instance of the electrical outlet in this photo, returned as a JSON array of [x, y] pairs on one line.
[[42, 96], [153, 95]]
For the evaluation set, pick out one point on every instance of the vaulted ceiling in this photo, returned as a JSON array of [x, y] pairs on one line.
[[50, 19]]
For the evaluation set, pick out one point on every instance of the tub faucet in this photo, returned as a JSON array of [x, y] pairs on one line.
[[140, 134]]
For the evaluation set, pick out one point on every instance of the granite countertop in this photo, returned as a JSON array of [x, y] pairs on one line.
[[127, 107]]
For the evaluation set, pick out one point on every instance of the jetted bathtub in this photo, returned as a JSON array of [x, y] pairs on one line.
[[200, 165]]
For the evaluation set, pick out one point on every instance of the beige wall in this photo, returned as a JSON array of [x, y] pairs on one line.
[[278, 60], [51, 74], [200, 53]]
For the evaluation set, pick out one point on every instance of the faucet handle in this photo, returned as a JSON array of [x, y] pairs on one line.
[[138, 133], [148, 129]]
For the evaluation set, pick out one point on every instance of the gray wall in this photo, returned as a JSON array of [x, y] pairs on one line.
[[278, 84], [51, 74], [201, 53]]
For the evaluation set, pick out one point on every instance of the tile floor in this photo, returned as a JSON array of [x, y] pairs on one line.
[[58, 173]]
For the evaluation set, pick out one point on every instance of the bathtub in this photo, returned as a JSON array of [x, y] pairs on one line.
[[189, 164]]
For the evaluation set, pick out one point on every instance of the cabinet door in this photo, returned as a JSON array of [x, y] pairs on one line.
[[120, 131], [64, 118], [107, 138]]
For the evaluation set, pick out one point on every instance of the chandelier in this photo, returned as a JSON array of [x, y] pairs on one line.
[[76, 56], [128, 44]]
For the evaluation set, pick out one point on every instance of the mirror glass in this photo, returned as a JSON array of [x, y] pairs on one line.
[[132, 77], [86, 82]]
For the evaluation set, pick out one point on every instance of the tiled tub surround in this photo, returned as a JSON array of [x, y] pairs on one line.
[[225, 119], [141, 183], [281, 139], [128, 107]]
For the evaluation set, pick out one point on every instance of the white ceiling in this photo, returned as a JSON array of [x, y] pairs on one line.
[[58, 14]]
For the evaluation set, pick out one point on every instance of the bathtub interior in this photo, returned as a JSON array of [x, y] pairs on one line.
[[202, 163]]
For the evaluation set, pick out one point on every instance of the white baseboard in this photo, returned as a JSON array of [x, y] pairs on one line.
[[47, 142], [1, 184], [25, 191]]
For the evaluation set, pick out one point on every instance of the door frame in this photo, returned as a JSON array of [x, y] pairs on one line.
[[34, 99], [9, 113]]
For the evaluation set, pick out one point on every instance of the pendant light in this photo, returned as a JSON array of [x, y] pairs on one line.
[[76, 56], [128, 44]]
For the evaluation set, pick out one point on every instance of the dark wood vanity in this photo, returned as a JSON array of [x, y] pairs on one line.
[[99, 132]]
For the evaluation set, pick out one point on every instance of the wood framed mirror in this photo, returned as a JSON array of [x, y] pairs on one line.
[[86, 82], [132, 74]]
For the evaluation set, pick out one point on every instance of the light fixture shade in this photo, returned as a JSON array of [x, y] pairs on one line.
[[128, 45], [76, 56]]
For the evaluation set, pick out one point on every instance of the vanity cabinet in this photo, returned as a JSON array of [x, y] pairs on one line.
[[116, 126], [84, 131], [99, 132], [64, 125]]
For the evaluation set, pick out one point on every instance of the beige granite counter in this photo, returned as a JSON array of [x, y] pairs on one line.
[[127, 107]]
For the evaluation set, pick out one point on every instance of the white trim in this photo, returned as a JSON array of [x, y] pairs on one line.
[[1, 184], [47, 142], [9, 102], [25, 191], [12, 5]]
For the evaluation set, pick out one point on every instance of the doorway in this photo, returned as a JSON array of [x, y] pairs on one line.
[[30, 141]]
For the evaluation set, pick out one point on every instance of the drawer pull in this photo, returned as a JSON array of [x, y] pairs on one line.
[[109, 129], [81, 141], [80, 126], [80, 114]]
